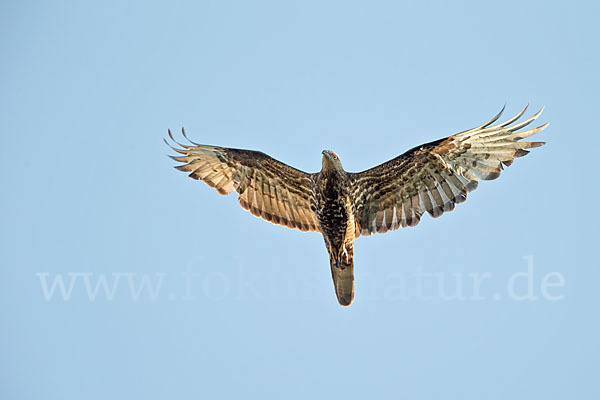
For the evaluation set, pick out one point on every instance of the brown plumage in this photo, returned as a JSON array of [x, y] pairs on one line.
[[341, 205]]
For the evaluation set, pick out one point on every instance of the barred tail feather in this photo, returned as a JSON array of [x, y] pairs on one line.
[[343, 280]]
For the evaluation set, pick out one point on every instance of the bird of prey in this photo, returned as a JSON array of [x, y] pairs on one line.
[[344, 205]]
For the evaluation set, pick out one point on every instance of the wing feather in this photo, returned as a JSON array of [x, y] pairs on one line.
[[436, 176], [267, 188]]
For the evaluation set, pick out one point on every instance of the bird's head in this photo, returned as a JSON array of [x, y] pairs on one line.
[[331, 161]]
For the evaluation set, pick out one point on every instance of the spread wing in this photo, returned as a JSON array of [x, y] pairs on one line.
[[437, 175], [268, 188]]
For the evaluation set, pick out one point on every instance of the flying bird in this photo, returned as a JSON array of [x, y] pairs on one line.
[[341, 205]]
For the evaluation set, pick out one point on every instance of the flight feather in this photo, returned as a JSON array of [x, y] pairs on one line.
[[436, 176], [267, 187]]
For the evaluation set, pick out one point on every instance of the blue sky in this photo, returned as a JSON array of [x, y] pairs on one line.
[[88, 92]]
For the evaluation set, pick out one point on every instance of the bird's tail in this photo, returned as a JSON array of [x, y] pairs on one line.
[[343, 279]]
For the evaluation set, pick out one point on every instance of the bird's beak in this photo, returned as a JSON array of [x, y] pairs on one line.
[[324, 152]]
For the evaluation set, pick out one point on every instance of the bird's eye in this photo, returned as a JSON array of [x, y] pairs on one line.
[[335, 157]]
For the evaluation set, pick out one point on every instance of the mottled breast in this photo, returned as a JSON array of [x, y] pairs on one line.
[[334, 209]]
